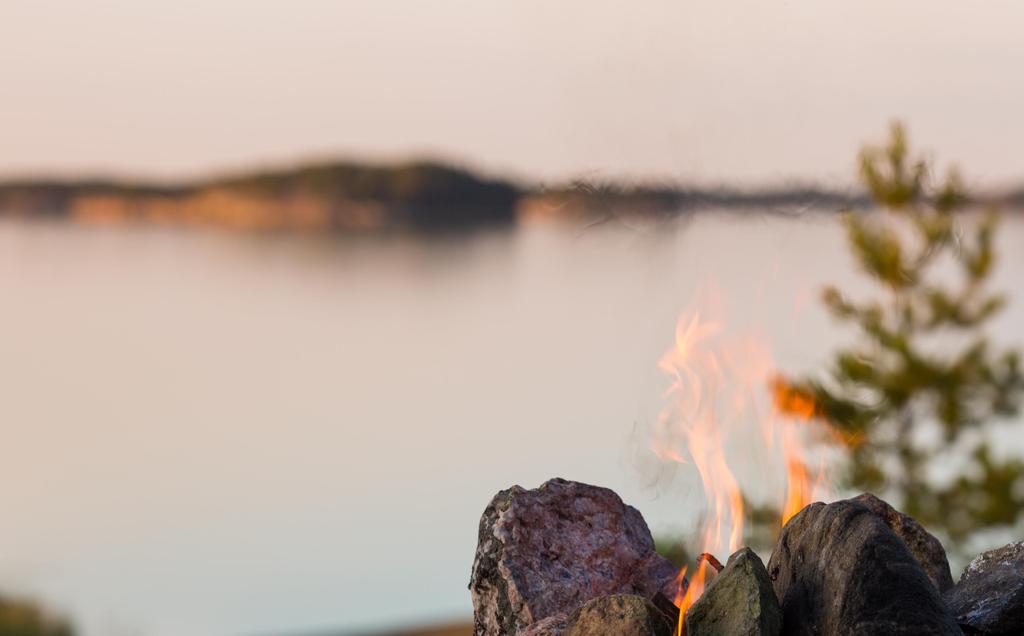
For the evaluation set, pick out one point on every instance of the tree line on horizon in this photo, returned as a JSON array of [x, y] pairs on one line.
[[344, 195]]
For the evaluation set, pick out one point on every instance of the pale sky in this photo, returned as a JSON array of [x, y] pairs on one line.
[[698, 90]]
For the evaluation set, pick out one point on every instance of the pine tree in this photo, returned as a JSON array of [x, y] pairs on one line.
[[914, 398]]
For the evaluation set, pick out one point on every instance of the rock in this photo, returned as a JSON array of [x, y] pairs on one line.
[[922, 544], [550, 626], [547, 551], [625, 614], [838, 569], [989, 598], [620, 614], [740, 601]]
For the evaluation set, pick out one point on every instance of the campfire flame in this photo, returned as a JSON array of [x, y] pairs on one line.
[[717, 384], [698, 373], [801, 484], [687, 592]]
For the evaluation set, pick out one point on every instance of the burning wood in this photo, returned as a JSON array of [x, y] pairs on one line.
[[710, 560], [667, 608]]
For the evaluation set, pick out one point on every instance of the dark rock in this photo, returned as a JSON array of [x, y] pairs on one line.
[[838, 569], [989, 598], [620, 614], [547, 551], [738, 602], [922, 544]]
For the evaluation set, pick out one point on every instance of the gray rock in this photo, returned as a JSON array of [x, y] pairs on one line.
[[923, 545], [547, 551], [838, 569], [625, 614], [738, 602], [989, 598], [619, 614]]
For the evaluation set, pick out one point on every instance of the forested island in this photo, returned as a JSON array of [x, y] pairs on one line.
[[422, 195], [326, 196]]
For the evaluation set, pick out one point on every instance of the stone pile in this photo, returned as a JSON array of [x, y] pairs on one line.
[[568, 559]]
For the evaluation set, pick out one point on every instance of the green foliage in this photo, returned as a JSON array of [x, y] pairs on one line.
[[761, 527], [906, 401], [24, 618], [674, 551]]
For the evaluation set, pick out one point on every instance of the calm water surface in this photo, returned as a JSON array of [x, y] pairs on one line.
[[210, 434]]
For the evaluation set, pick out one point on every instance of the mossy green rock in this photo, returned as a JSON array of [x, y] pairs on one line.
[[738, 602]]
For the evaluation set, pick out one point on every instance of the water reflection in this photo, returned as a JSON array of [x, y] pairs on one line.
[[208, 433]]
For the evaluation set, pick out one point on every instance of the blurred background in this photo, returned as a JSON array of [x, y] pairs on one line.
[[290, 290]]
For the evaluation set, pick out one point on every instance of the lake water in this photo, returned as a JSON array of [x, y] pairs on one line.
[[213, 434]]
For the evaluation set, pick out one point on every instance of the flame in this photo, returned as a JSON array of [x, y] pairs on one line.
[[687, 593], [801, 484], [698, 372], [683, 599], [792, 401], [798, 486], [681, 587], [722, 386]]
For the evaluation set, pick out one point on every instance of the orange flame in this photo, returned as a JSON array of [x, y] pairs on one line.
[[800, 483], [698, 374], [792, 401], [687, 593], [717, 384], [798, 489], [681, 587], [692, 419]]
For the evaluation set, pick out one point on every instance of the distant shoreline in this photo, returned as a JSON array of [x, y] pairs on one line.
[[357, 197]]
